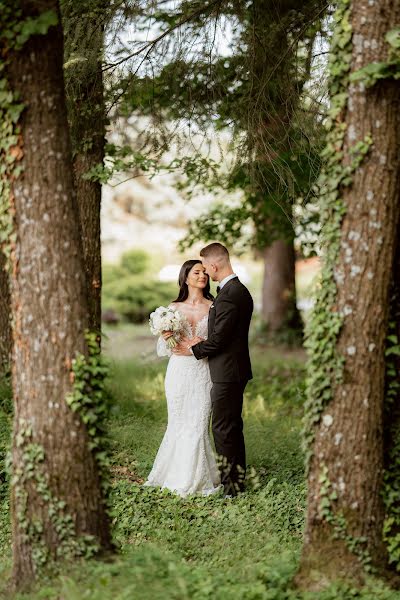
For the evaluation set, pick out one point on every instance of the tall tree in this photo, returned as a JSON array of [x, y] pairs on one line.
[[257, 91], [346, 388], [84, 24], [272, 100], [58, 501]]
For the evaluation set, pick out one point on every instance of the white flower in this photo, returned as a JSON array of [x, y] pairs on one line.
[[165, 319]]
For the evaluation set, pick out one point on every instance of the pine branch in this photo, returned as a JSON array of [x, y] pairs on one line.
[[152, 43]]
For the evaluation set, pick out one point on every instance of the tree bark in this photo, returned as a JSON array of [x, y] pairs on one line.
[[279, 308], [84, 32], [56, 491], [348, 446]]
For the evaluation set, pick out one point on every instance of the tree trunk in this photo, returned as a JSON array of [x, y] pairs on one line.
[[83, 30], [273, 101], [5, 323], [279, 308], [345, 476], [57, 499]]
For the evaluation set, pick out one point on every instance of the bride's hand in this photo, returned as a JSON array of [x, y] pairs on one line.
[[167, 334]]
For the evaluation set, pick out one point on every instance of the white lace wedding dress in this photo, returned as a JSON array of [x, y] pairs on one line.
[[185, 462]]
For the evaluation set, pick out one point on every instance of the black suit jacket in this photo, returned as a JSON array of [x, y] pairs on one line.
[[227, 346]]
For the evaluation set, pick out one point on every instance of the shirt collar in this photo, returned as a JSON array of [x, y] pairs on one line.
[[226, 279]]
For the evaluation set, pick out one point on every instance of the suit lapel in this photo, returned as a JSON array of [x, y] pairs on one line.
[[211, 315]]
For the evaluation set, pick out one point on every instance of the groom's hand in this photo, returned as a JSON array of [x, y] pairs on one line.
[[181, 349], [194, 340]]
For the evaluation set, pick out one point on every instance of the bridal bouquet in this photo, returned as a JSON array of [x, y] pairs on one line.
[[167, 319]]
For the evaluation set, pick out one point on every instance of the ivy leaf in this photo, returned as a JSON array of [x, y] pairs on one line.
[[393, 37], [371, 73], [393, 350], [40, 25], [15, 111]]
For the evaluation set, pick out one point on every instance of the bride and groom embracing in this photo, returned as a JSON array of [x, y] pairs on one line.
[[206, 375]]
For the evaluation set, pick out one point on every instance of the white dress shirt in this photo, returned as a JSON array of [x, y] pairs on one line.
[[226, 279]]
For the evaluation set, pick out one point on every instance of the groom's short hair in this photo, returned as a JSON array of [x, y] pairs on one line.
[[215, 250]]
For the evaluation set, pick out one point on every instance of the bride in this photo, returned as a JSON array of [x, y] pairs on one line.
[[185, 462]]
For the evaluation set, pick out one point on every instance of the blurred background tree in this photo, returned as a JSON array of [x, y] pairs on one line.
[[258, 93]]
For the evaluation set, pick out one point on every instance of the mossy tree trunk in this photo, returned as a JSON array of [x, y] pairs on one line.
[[84, 33], [57, 500], [347, 364]]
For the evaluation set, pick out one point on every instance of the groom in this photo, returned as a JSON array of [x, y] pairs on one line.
[[227, 350]]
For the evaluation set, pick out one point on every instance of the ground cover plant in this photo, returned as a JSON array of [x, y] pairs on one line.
[[169, 548]]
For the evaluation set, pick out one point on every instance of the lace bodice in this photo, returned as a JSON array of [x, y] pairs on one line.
[[200, 330]]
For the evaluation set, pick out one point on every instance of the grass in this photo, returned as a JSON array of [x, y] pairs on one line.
[[246, 548]]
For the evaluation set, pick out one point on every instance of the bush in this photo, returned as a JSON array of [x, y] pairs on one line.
[[134, 297], [130, 290], [135, 262], [111, 273]]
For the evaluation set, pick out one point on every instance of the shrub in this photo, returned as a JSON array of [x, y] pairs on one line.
[[130, 291], [135, 262], [111, 273], [134, 297]]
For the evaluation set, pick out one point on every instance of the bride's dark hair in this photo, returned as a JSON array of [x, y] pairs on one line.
[[183, 287]]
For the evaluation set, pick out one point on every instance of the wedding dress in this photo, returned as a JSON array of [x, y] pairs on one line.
[[185, 462]]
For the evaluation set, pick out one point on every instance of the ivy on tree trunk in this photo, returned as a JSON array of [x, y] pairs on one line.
[[84, 40], [5, 323], [346, 374], [58, 505]]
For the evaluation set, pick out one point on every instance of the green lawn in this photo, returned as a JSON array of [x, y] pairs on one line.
[[246, 548]]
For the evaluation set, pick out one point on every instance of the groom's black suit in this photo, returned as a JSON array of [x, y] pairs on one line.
[[227, 350]]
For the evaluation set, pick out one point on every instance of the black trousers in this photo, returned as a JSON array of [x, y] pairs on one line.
[[227, 427]]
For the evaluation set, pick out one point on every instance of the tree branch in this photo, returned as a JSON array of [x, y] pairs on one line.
[[150, 45]]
